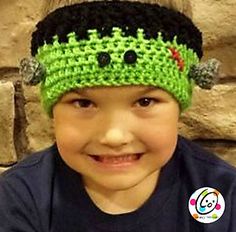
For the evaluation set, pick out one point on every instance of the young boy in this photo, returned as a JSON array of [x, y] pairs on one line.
[[115, 77]]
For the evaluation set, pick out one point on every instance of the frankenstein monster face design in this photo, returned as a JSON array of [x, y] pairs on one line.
[[115, 60], [116, 43]]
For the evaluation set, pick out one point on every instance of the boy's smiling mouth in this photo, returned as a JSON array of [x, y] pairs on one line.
[[117, 159]]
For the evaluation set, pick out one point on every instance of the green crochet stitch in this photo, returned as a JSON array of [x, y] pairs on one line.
[[75, 65]]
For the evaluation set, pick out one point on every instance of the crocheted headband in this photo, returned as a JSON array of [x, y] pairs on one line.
[[112, 43]]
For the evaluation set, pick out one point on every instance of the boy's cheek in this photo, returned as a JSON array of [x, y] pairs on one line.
[[69, 147], [162, 141], [160, 135]]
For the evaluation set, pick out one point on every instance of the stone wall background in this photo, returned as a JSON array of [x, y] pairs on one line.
[[24, 128]]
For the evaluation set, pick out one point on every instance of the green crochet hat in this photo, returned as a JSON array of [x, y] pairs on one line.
[[114, 44]]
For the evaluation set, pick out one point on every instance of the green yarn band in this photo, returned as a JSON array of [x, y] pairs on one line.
[[75, 65]]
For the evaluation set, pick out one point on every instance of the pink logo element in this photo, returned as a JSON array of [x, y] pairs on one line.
[[218, 207], [192, 201]]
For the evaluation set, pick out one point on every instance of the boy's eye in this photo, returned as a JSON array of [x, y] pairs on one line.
[[144, 102], [83, 103]]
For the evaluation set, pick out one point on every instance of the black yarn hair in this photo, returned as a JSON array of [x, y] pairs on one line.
[[129, 16]]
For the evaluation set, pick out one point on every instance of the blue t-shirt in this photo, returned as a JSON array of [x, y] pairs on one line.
[[42, 194]]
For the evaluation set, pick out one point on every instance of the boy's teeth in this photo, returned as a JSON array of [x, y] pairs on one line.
[[117, 159]]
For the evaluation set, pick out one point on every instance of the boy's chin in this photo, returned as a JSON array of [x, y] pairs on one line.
[[115, 183]]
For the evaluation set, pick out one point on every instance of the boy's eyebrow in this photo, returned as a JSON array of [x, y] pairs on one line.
[[79, 91], [149, 89]]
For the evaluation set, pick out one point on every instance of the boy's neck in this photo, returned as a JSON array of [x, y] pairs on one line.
[[123, 201]]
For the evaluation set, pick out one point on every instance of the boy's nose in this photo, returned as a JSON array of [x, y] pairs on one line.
[[116, 137]]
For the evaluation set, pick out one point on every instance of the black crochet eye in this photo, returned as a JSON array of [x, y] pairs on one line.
[[103, 59], [130, 57]]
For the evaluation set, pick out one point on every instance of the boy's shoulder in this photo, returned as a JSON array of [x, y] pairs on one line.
[[204, 163], [38, 162], [202, 155], [26, 189]]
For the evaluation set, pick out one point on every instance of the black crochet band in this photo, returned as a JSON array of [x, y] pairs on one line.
[[129, 16]]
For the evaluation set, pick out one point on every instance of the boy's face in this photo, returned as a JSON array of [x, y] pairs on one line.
[[116, 137]]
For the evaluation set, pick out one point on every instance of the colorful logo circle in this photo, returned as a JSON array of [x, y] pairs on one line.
[[206, 205]]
